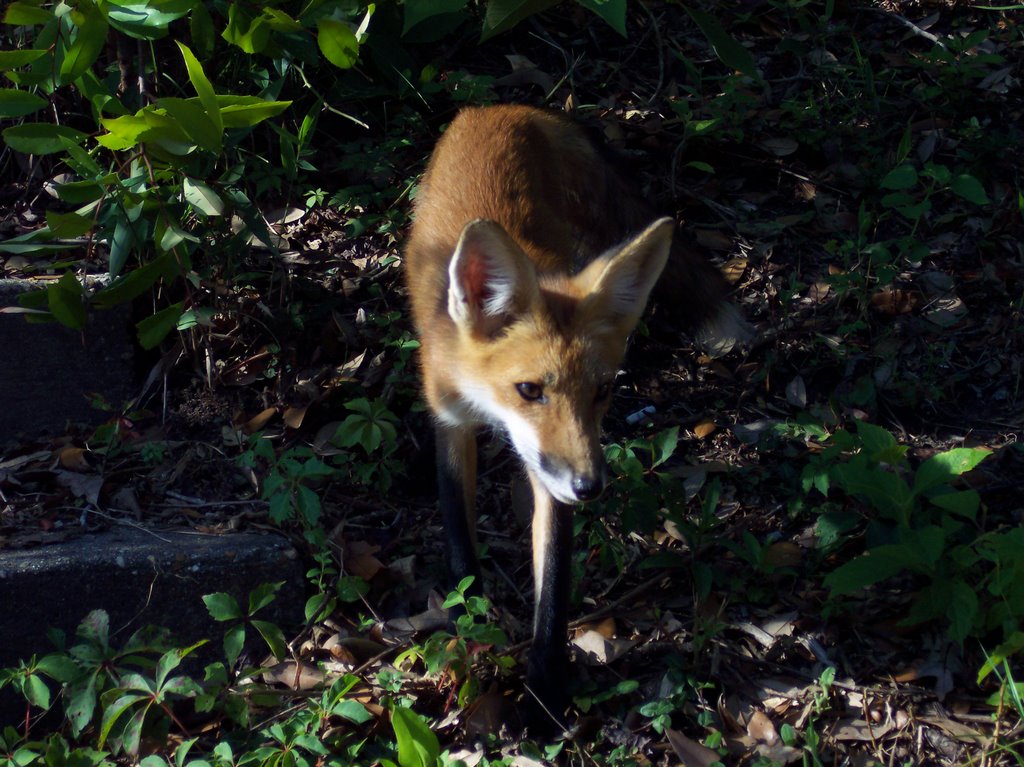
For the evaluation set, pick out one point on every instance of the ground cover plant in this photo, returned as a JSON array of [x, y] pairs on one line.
[[810, 552]]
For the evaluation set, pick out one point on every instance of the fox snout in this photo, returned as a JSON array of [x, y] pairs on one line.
[[572, 485]]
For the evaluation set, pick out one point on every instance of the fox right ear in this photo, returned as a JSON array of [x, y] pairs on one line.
[[490, 279]]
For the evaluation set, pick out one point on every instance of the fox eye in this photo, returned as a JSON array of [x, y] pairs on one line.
[[531, 392], [604, 391]]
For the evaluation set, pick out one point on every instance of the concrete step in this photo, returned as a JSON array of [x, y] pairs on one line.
[[139, 577]]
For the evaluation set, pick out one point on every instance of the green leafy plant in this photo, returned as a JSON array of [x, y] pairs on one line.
[[454, 655], [139, 701], [920, 524], [224, 608], [152, 181]]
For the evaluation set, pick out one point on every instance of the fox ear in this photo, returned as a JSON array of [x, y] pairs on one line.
[[623, 278], [490, 279]]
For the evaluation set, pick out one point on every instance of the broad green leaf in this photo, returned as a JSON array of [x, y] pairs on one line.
[[120, 245], [417, 744], [612, 11], [153, 329], [961, 610], [20, 14], [337, 43], [168, 235], [249, 33], [664, 445], [66, 301], [131, 736], [885, 491], [84, 192], [900, 177], [877, 565], [80, 160], [204, 89], [963, 502], [59, 667], [193, 119], [352, 710], [114, 712], [263, 595], [40, 138], [879, 444], [246, 111], [67, 225], [725, 46], [1011, 646], [36, 692], [222, 606], [80, 704], [273, 636], [945, 467], [202, 198], [18, 103], [147, 19], [234, 640], [416, 13], [123, 132], [15, 59], [201, 27], [281, 22], [169, 661], [89, 41], [970, 189], [502, 15]]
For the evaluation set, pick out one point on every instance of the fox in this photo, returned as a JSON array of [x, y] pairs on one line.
[[529, 263]]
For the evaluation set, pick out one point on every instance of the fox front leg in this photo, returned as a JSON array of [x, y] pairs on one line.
[[456, 485], [548, 664]]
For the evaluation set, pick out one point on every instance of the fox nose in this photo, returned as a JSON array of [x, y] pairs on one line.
[[587, 486]]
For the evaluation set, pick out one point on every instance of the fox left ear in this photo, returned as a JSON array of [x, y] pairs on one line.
[[490, 279], [623, 285]]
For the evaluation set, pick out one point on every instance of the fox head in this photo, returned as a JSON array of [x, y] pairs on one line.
[[537, 354]]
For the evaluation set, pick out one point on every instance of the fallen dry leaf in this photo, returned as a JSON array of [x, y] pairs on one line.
[[705, 428], [86, 486], [293, 416], [75, 458], [295, 676], [690, 752], [359, 559], [599, 651], [761, 729], [259, 420]]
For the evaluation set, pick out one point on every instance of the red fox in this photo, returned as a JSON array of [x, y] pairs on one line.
[[512, 338]]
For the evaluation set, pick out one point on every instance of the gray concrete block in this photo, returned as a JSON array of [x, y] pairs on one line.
[[139, 577], [47, 370]]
